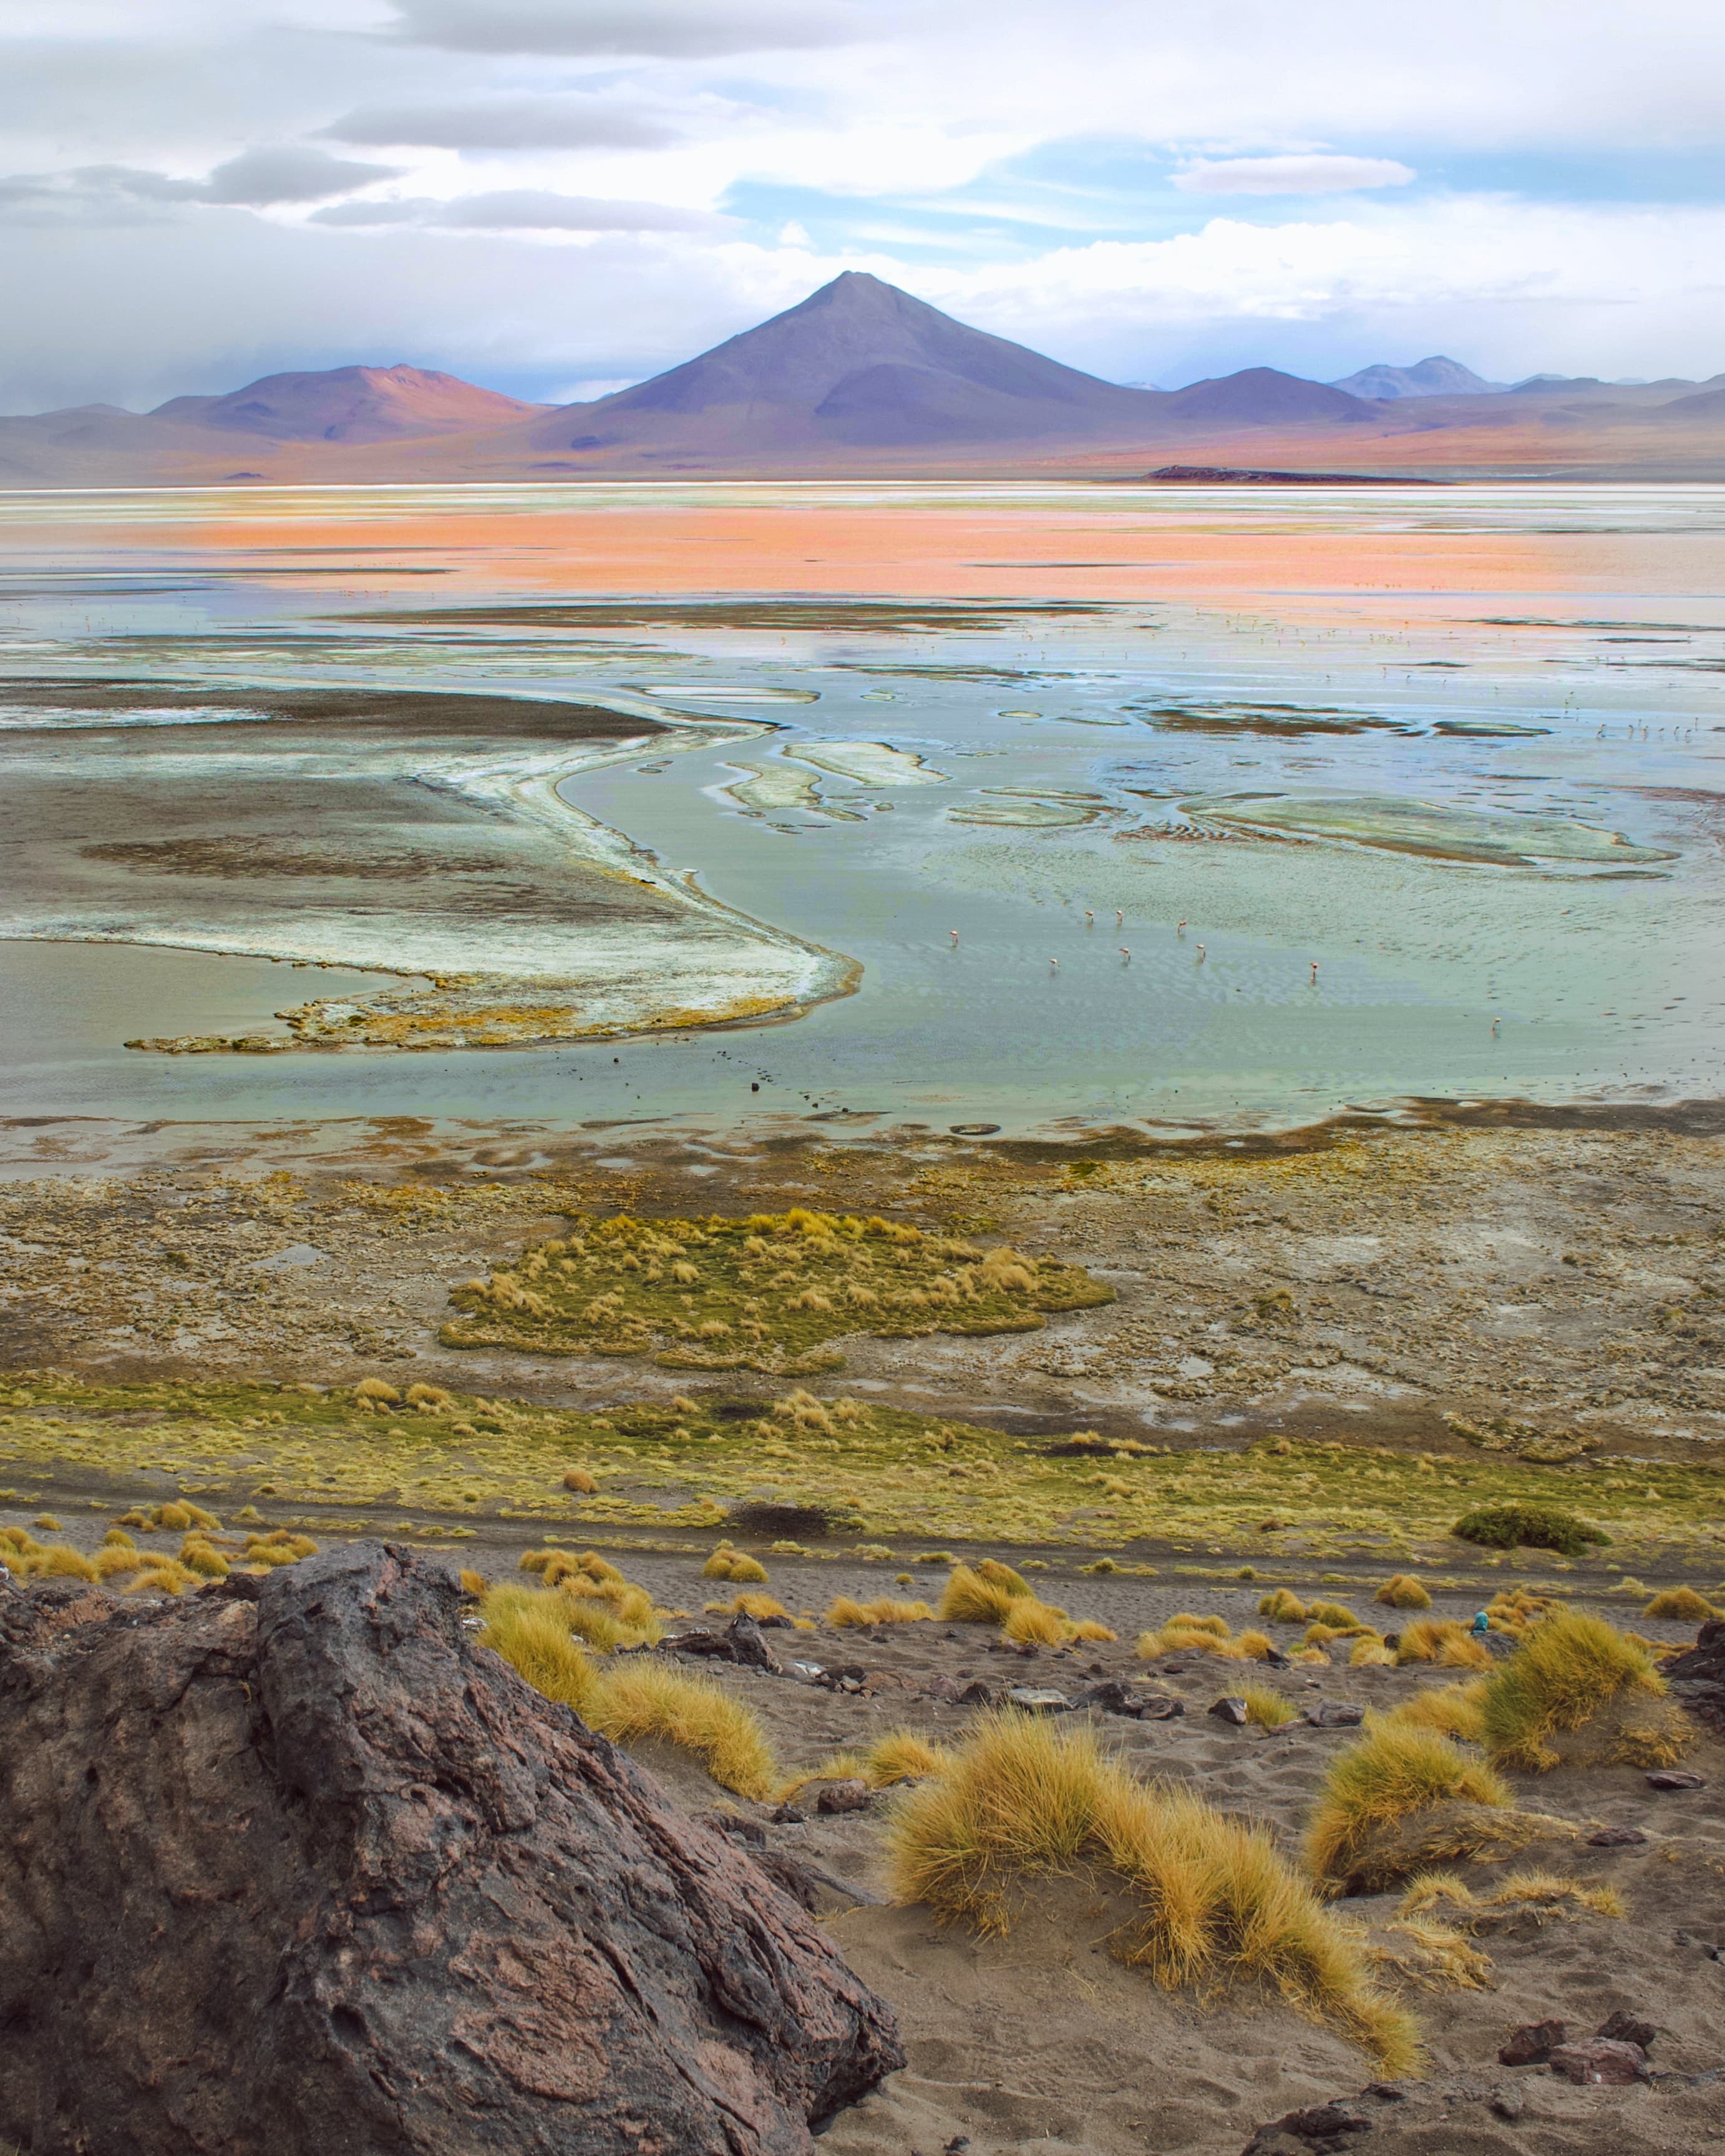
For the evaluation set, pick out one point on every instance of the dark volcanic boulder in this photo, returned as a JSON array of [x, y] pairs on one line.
[[299, 1871], [1697, 1677]]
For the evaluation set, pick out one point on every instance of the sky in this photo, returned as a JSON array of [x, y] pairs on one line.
[[555, 198]]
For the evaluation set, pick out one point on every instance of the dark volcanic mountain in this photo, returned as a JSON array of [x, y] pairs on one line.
[[857, 364], [350, 404]]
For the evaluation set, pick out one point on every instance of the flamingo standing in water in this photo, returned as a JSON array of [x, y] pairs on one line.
[[1125, 954], [1200, 954], [1314, 972], [953, 933]]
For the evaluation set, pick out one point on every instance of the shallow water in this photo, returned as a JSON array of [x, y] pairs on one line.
[[1459, 747]]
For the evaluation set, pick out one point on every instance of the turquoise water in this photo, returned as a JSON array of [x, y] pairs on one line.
[[1491, 819]]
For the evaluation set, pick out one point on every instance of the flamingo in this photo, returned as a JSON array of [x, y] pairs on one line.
[[1314, 972], [1200, 954], [953, 933], [1125, 954]]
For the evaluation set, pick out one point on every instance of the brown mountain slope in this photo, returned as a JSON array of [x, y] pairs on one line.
[[350, 404]]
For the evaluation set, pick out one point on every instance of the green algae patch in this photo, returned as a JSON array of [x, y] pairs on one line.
[[768, 1293]]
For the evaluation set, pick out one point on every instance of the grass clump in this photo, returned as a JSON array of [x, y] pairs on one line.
[[1282, 1606], [897, 1756], [1538, 1895], [1539, 1526], [279, 1547], [1397, 1769], [1452, 1710], [1575, 1673], [1682, 1605], [1401, 1591], [843, 1611], [1187, 1634], [1268, 1709], [1035, 1623], [1369, 1652], [1444, 1642], [734, 1565], [1215, 1902], [745, 1605], [767, 1293], [533, 1630], [983, 1595]]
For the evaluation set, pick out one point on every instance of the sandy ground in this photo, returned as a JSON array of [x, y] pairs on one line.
[[1040, 2040]]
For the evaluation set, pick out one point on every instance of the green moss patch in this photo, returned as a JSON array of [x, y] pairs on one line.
[[768, 1293], [1539, 1526]]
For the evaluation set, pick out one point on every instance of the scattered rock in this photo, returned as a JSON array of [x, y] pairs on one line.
[[1160, 1706], [1335, 1714], [1675, 1778], [1112, 1695], [1387, 2092], [1533, 2043], [475, 1907], [979, 1692], [788, 1816], [944, 1688], [1602, 2062], [852, 1795], [1233, 1711], [1039, 1699], [1616, 1837], [1509, 2104], [1622, 2028], [748, 1643], [1697, 1676], [1326, 2127]]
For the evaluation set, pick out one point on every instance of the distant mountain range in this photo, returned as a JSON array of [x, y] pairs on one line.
[[862, 377]]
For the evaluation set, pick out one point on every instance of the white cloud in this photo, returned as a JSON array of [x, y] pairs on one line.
[[680, 28], [523, 209], [258, 179], [1314, 173], [510, 123]]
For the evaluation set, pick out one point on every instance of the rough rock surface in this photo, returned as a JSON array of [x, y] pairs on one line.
[[298, 1869], [1698, 1677]]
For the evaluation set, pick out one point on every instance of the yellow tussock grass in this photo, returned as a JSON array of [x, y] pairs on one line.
[[970, 1599], [1682, 1605], [1401, 1591], [279, 1547], [745, 1605], [1543, 1894], [1568, 1672], [531, 1628], [59, 1562], [1281, 1606], [1336, 1615], [1216, 1902], [1369, 1652], [1396, 1769], [475, 1583], [1442, 1640], [1088, 1627], [203, 1557], [1268, 1709], [898, 1755], [578, 1479], [1452, 1710], [734, 1565], [644, 1699], [1435, 1957], [1031, 1623], [843, 1611], [113, 1563], [375, 1390], [163, 1576]]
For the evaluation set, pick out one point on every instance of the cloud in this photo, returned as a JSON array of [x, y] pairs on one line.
[[509, 123], [1313, 174], [256, 179], [680, 29], [523, 209]]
